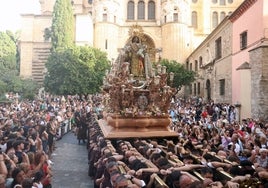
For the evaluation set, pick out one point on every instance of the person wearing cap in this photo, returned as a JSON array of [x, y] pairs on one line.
[[19, 147]]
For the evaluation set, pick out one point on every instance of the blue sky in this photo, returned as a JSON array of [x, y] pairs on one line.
[[10, 11]]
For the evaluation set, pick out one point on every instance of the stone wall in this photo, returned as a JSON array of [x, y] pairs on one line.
[[259, 83], [212, 70]]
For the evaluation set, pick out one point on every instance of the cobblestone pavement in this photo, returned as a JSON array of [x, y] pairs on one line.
[[70, 168]]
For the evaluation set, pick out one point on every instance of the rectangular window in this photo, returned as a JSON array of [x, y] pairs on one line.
[[194, 19], [194, 88], [190, 89], [191, 66], [106, 44], [218, 48], [222, 2], [104, 17], [243, 40], [198, 88], [187, 65], [222, 86], [175, 17]]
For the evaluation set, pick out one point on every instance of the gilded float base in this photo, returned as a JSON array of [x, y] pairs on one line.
[[128, 128]]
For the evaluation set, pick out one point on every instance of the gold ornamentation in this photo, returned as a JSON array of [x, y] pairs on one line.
[[136, 30]]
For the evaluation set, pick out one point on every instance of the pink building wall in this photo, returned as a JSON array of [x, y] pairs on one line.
[[254, 21]]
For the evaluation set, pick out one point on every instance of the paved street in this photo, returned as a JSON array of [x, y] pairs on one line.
[[70, 168]]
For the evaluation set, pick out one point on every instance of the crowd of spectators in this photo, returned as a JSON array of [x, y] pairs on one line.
[[213, 149], [28, 131]]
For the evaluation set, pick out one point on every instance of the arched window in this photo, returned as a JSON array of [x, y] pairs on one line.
[[187, 65], [191, 89], [200, 61], [130, 10], [222, 2], [151, 10], [222, 16], [175, 17], [194, 19], [215, 21], [104, 17], [195, 65], [141, 10]]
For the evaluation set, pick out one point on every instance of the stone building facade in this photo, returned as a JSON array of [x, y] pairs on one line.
[[233, 61], [250, 38], [212, 61], [172, 28]]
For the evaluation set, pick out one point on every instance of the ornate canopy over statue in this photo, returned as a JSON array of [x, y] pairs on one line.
[[136, 96]]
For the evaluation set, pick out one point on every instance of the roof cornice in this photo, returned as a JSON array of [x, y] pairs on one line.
[[241, 9]]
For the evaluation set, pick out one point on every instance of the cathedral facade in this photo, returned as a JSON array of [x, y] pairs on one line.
[[172, 28]]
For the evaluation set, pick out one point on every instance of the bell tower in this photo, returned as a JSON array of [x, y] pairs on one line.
[[176, 29], [107, 16]]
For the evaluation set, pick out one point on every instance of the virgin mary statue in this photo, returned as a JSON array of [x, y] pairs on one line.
[[140, 65]]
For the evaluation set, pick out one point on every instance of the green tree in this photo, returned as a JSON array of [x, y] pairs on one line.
[[71, 69], [28, 88], [15, 37], [9, 74], [7, 52], [3, 86], [62, 29], [7, 62], [77, 70], [182, 76], [101, 65]]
